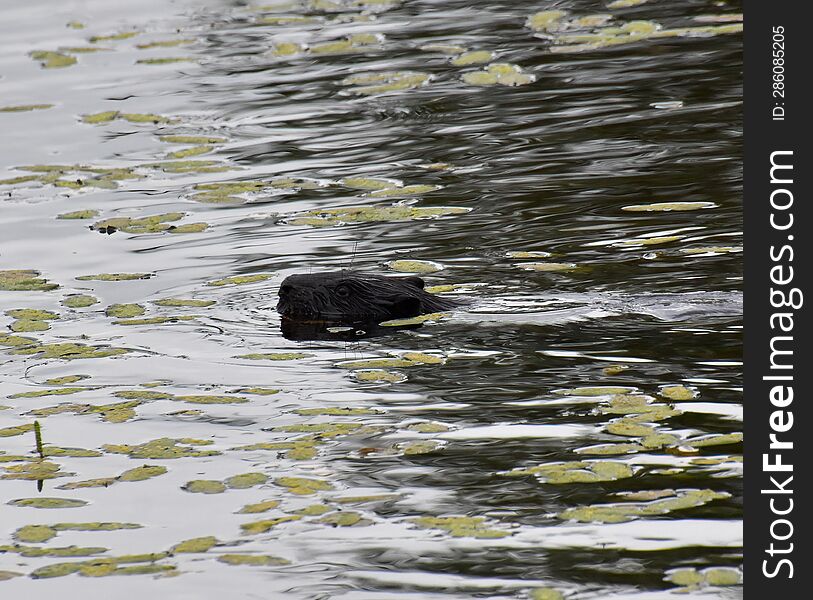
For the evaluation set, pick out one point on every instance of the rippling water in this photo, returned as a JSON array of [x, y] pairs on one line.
[[414, 484]]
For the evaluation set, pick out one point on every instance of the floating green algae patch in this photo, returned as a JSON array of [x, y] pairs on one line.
[[16, 430], [475, 527], [259, 507], [107, 566], [610, 449], [368, 84], [322, 429], [473, 57], [618, 513], [344, 519], [669, 206], [193, 151], [32, 314], [155, 320], [545, 593], [192, 139], [369, 183], [182, 302], [24, 280], [303, 486], [113, 37], [499, 74], [166, 60], [204, 486], [414, 266], [195, 545], [163, 448], [211, 399], [628, 428], [275, 356], [690, 579], [51, 392], [252, 560], [25, 107], [142, 473], [336, 411], [299, 449], [189, 166], [259, 391], [414, 320], [677, 392], [48, 502], [371, 214], [379, 376], [245, 480], [165, 43], [69, 351], [52, 60], [719, 439], [135, 118], [150, 224], [27, 325], [79, 214], [17, 341], [546, 20], [114, 277], [549, 267], [240, 279], [595, 391], [118, 412], [576, 472], [142, 395], [378, 363], [67, 379], [72, 452], [267, 524], [125, 310], [34, 470], [65, 551]]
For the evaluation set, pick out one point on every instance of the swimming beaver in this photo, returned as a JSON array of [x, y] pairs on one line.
[[353, 296]]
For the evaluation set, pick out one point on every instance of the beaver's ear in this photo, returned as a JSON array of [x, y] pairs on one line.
[[406, 306], [416, 281]]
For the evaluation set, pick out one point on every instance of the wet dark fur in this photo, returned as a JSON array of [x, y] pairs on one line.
[[354, 296]]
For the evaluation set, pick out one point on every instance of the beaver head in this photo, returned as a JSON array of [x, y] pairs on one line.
[[352, 296]]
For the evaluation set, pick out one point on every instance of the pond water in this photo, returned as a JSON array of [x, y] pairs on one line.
[[166, 165]]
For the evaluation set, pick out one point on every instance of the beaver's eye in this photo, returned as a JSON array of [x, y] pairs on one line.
[[342, 291]]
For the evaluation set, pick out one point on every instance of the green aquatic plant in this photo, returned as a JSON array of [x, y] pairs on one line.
[[259, 507], [52, 60], [576, 472], [25, 108], [204, 486], [240, 279], [48, 502], [163, 448], [195, 545], [252, 560], [275, 356], [114, 277], [24, 280], [458, 526], [380, 82], [265, 525], [618, 513], [303, 486], [124, 310], [369, 214]]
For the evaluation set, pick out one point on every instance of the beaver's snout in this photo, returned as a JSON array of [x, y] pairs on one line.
[[351, 296]]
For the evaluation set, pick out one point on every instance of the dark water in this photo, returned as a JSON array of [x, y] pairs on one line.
[[543, 167]]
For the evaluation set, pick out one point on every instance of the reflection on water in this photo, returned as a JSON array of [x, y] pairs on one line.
[[573, 168]]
